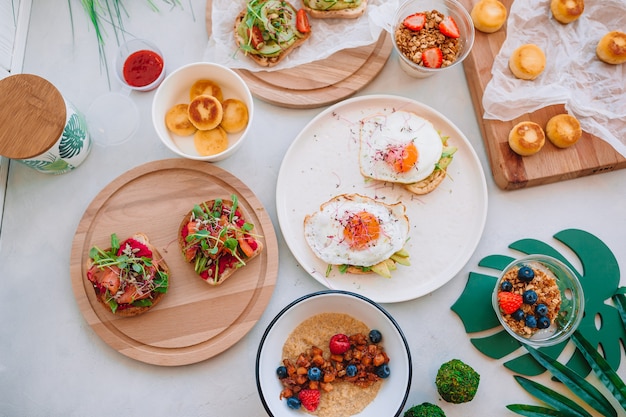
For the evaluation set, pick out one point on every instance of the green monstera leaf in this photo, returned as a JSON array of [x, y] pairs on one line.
[[601, 325], [73, 137]]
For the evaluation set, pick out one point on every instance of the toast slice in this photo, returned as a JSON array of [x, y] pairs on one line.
[[122, 289], [217, 239], [271, 51], [332, 13]]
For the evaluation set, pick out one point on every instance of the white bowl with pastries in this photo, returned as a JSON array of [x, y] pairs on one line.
[[331, 320], [203, 111]]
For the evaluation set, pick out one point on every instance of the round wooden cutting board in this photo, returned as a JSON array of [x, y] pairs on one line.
[[318, 83], [194, 321]]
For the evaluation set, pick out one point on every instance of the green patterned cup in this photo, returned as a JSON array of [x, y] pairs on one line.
[[39, 128]]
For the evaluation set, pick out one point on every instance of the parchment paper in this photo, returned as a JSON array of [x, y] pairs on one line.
[[328, 35], [592, 91]]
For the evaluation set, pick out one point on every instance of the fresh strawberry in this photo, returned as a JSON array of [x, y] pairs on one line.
[[309, 398], [432, 57], [339, 344], [509, 302], [415, 22], [449, 28]]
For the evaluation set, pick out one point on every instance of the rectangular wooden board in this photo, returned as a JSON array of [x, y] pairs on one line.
[[590, 155]]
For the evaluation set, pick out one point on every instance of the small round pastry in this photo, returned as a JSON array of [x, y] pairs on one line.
[[566, 11], [563, 130], [488, 15], [206, 87], [210, 142], [235, 117], [527, 62], [177, 121], [612, 48], [205, 112], [526, 138]]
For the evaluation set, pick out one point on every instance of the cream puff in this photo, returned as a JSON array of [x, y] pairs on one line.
[[488, 15], [563, 130], [612, 48], [566, 11], [526, 138], [527, 62]]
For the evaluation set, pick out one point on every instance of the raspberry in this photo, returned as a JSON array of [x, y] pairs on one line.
[[509, 301], [310, 399], [339, 344]]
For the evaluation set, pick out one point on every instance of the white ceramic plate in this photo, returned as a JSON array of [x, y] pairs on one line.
[[394, 391], [446, 225]]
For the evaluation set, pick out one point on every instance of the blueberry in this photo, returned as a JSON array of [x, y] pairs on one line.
[[281, 371], [383, 371], [314, 373], [506, 286], [530, 297], [531, 321], [351, 370], [518, 315], [293, 403], [543, 322], [541, 309], [375, 336], [525, 274]]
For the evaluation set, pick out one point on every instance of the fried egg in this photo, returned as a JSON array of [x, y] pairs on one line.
[[351, 229], [399, 147]]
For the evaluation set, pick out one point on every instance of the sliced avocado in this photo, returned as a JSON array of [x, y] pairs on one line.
[[402, 260], [402, 252], [382, 269]]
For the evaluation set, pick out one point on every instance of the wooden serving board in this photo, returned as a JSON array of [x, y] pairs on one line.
[[318, 83], [591, 155], [194, 321]]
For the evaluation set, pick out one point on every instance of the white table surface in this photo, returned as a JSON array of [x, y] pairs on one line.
[[53, 364]]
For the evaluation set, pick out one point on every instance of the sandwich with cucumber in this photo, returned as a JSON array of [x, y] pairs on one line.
[[335, 9], [268, 30]]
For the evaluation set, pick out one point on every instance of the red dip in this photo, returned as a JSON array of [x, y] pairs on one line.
[[142, 68]]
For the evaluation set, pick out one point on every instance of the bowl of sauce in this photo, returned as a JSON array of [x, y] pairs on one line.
[[140, 65]]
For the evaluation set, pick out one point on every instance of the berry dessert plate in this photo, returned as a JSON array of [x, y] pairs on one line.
[[445, 225]]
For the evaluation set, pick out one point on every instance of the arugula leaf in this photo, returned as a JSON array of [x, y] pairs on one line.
[[602, 369], [552, 398], [575, 383]]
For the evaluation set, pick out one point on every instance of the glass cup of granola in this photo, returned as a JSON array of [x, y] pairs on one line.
[[539, 300], [431, 36]]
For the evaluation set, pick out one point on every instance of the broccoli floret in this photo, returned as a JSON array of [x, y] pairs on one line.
[[457, 382], [424, 410]]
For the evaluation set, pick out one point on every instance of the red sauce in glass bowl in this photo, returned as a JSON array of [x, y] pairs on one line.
[[142, 68]]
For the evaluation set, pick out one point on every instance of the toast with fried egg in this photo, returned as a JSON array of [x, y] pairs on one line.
[[359, 234], [217, 239], [404, 148]]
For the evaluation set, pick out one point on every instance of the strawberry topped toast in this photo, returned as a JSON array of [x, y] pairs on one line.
[[217, 239]]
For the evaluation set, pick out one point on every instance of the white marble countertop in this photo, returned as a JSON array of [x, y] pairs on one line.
[[53, 364]]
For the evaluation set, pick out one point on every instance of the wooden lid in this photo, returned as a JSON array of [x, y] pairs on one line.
[[32, 116]]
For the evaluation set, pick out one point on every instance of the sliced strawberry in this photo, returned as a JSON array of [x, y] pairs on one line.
[[339, 344], [309, 398], [449, 28], [432, 57], [415, 22]]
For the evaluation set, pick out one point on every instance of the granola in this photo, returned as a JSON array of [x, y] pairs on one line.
[[412, 43]]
